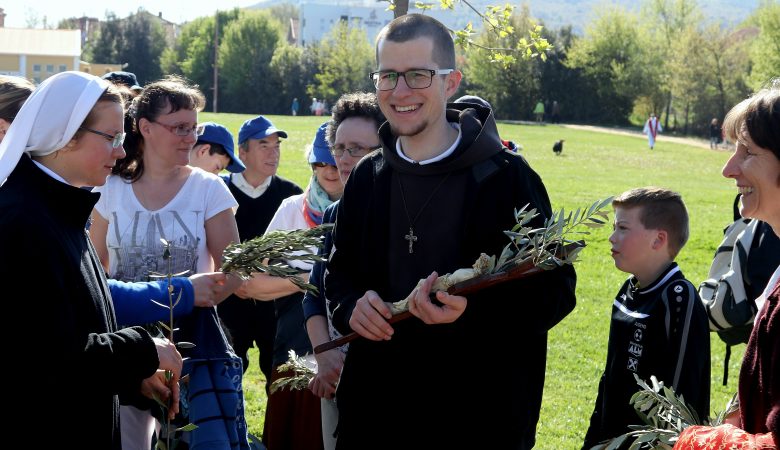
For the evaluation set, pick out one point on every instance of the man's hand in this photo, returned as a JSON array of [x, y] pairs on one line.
[[421, 306], [369, 318]]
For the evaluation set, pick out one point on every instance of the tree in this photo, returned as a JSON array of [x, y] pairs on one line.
[[143, 44], [765, 51], [344, 60], [291, 73], [668, 20], [244, 55], [193, 55], [513, 89], [613, 56], [105, 47]]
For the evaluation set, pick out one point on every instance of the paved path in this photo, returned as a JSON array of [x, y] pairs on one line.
[[696, 142]]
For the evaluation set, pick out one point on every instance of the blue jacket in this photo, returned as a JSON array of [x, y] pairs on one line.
[[133, 301]]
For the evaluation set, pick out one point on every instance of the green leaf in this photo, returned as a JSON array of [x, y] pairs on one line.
[[188, 427]]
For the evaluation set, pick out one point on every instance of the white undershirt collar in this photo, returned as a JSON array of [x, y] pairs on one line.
[[438, 157]]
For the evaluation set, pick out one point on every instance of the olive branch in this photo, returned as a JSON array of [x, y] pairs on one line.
[[302, 370], [665, 415], [264, 253]]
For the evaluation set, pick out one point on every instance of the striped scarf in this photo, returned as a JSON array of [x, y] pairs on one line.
[[315, 202]]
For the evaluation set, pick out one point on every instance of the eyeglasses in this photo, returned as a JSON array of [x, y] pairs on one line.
[[182, 129], [116, 140], [322, 164], [355, 152], [387, 80]]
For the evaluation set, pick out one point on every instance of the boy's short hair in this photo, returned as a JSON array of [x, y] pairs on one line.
[[662, 209], [214, 149], [412, 26]]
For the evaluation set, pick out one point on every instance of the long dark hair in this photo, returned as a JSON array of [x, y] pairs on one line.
[[165, 96]]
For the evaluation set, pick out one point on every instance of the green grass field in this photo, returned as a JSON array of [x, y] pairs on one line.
[[593, 165]]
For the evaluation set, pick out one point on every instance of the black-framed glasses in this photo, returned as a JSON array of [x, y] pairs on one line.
[[321, 164], [387, 80], [116, 140], [355, 152], [182, 129]]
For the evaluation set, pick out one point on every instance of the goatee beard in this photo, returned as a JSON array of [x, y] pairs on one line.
[[413, 132]]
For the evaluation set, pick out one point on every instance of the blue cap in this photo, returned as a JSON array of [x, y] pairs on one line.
[[214, 133], [320, 150], [258, 128]]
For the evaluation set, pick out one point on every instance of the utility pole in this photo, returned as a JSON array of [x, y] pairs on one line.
[[216, 54]]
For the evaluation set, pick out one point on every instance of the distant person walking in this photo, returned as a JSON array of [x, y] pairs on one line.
[[652, 128], [716, 134], [556, 112], [539, 111], [295, 106]]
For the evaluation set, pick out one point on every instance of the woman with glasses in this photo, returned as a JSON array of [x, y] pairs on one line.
[[73, 359], [152, 195], [292, 418]]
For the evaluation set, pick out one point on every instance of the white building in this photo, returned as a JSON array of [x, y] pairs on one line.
[[317, 19]]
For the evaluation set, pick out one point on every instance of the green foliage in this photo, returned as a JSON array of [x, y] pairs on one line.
[[105, 47], [302, 373], [193, 54], [665, 416], [344, 59], [253, 255], [144, 41], [291, 72], [244, 55], [616, 57], [512, 87], [765, 50]]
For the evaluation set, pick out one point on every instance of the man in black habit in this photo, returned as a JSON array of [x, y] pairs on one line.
[[441, 191]]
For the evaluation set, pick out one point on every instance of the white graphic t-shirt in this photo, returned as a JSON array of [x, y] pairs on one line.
[[133, 239]]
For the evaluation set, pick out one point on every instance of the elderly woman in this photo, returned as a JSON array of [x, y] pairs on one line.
[[754, 125], [74, 360]]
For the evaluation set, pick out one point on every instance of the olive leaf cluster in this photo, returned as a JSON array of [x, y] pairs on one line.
[[302, 373], [540, 244], [264, 253], [665, 415]]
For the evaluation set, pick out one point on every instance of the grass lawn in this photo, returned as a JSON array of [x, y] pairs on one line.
[[593, 165]]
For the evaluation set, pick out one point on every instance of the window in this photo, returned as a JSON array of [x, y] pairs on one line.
[[37, 80], [36, 67], [50, 68], [63, 68]]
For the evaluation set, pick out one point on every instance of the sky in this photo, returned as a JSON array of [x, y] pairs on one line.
[[19, 12]]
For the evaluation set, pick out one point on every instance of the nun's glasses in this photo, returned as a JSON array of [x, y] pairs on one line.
[[116, 141]]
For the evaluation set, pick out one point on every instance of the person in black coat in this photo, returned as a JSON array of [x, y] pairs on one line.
[[72, 361]]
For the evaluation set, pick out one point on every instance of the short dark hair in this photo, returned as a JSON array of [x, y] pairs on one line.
[[760, 114], [413, 26], [213, 149], [661, 209], [13, 93], [356, 104]]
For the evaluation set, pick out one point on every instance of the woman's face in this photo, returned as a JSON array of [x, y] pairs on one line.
[[328, 178], [163, 144], [88, 160], [757, 173]]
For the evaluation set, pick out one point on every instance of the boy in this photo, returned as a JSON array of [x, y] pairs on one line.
[[659, 326], [214, 150]]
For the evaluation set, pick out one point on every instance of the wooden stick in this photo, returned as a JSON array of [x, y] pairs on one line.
[[522, 270]]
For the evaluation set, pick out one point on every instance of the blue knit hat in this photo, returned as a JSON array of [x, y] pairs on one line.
[[320, 151]]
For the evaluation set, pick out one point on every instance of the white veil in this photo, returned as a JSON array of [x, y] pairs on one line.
[[50, 117]]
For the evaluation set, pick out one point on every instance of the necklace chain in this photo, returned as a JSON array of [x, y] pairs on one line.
[[411, 237]]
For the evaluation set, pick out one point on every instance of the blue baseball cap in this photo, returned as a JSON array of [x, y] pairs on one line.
[[258, 128], [214, 133], [320, 150]]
